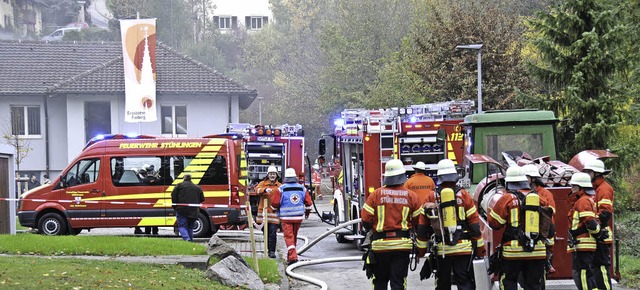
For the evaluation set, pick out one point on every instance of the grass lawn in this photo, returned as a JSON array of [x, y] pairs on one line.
[[32, 272]]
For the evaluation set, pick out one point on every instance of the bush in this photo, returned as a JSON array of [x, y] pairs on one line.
[[627, 226], [626, 168]]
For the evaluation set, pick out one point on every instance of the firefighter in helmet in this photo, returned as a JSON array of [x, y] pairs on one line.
[[604, 210], [523, 251], [453, 218], [265, 188], [391, 212], [584, 228], [420, 182], [548, 211], [293, 203]]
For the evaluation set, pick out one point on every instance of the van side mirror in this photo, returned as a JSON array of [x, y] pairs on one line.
[[322, 146], [441, 136]]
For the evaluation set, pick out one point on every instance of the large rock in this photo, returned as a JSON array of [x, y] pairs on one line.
[[220, 249], [231, 272]]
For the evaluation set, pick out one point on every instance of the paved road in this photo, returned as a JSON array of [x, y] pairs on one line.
[[100, 15]]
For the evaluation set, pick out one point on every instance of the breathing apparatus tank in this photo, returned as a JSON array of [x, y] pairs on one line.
[[448, 203], [532, 215]]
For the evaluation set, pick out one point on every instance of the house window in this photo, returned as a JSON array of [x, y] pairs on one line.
[[255, 22], [174, 120], [25, 121], [224, 22]]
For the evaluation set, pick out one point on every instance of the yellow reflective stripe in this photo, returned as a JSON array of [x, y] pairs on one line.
[[463, 246], [605, 277], [583, 279], [575, 221], [368, 209], [163, 202], [605, 201], [471, 211], [502, 281], [418, 212], [514, 217], [199, 167], [206, 154], [156, 221], [480, 242], [461, 213], [381, 213], [587, 214], [199, 161], [405, 215], [421, 244], [497, 217], [514, 250], [387, 245], [597, 230]]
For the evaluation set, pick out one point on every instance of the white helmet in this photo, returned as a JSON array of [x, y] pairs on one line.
[[420, 165], [316, 166], [446, 166], [393, 168], [531, 170], [596, 165], [394, 173], [290, 172], [272, 169], [515, 174], [581, 179]]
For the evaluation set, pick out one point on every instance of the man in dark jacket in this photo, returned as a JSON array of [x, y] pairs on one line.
[[186, 193]]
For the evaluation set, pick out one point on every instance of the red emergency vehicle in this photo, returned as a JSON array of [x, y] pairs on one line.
[[266, 145], [121, 181], [366, 139]]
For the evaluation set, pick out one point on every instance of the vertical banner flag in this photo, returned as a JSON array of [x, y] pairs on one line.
[[139, 57]]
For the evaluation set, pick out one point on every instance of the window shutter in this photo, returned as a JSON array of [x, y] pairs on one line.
[[265, 21], [247, 22], [216, 21], [234, 21]]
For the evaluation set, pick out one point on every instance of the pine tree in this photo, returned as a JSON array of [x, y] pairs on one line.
[[578, 55]]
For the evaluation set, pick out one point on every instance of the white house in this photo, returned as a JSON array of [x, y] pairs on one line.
[[57, 96], [251, 15]]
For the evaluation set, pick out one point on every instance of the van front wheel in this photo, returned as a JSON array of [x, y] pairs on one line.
[[202, 227], [52, 224]]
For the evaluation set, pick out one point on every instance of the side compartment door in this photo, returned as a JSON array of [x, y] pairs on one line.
[[83, 188]]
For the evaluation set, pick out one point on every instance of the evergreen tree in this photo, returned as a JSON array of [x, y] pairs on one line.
[[578, 55]]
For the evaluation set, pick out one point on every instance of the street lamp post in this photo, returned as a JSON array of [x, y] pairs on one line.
[[260, 110], [477, 47]]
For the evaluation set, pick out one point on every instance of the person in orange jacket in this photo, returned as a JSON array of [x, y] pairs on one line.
[[420, 183], [316, 177], [293, 203], [583, 228], [546, 197], [391, 212], [454, 250], [265, 189], [523, 252], [604, 210]]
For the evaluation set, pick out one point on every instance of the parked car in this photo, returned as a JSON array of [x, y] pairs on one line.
[[58, 35]]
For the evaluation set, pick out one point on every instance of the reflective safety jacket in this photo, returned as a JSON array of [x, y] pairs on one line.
[[604, 202], [420, 184], [291, 200], [392, 211], [261, 189], [580, 215], [507, 213], [468, 222]]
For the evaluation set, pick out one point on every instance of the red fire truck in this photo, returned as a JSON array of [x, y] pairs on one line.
[[365, 140], [264, 146]]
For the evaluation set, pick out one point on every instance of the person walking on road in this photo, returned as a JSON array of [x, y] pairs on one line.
[[604, 210], [185, 193], [293, 203], [420, 182], [391, 212], [265, 189], [458, 240]]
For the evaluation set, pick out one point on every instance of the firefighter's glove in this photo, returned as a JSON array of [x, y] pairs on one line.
[[604, 218], [494, 261], [306, 213], [602, 235], [369, 263], [426, 271]]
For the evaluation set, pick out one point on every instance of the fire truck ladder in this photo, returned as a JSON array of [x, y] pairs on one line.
[[387, 144]]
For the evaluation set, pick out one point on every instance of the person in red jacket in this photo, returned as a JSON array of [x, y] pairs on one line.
[[583, 228], [420, 182], [265, 189], [293, 203], [604, 210], [523, 252], [391, 212], [456, 245]]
